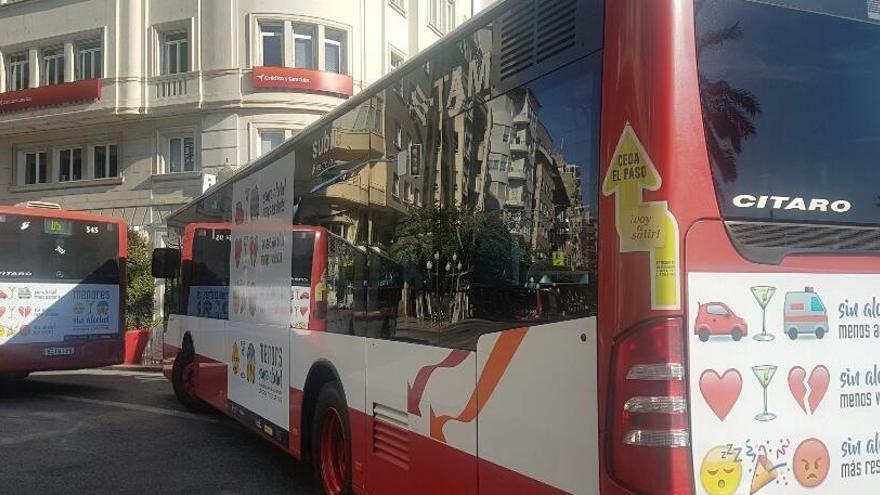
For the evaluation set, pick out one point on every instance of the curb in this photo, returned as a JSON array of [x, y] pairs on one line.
[[135, 367]]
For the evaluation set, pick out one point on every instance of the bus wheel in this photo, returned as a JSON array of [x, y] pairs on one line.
[[331, 442], [183, 380], [703, 334], [793, 333], [820, 332], [736, 334]]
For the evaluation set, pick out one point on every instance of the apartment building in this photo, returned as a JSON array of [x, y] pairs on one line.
[[133, 107]]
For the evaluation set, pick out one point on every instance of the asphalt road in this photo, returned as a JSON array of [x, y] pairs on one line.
[[123, 432]]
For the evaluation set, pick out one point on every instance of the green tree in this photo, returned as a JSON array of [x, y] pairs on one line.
[[139, 295]]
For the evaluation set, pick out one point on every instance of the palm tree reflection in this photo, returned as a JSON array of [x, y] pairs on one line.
[[728, 112]]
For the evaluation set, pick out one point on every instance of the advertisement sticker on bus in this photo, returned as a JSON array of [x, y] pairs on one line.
[[792, 404], [44, 312], [644, 226]]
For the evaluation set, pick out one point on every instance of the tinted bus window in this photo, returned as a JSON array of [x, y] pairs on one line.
[[58, 250], [208, 287], [303, 253], [495, 226], [791, 117]]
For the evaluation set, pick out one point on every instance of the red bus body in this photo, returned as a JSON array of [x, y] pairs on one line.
[[108, 349], [608, 384]]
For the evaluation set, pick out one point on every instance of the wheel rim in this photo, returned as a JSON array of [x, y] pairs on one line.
[[189, 379], [332, 452]]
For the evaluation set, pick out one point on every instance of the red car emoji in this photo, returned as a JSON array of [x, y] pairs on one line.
[[716, 318]]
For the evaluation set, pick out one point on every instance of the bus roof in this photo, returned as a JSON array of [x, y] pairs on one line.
[[372, 90], [65, 214]]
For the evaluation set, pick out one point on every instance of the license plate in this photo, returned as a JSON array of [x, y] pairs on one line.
[[58, 351]]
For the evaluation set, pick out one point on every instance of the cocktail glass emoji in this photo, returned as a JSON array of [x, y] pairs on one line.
[[764, 373], [763, 294]]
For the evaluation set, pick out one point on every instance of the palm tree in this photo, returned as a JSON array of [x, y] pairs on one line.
[[728, 112]]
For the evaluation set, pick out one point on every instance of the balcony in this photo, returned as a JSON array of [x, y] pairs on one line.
[[174, 89]]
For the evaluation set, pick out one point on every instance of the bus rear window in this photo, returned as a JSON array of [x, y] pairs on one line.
[[791, 118], [303, 250], [58, 250]]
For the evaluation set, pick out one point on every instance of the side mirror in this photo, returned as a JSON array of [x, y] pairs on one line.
[[165, 262]]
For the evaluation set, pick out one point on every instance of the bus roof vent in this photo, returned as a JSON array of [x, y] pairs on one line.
[[536, 36], [40, 204]]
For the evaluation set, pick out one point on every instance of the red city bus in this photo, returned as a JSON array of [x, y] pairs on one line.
[[703, 153], [62, 277]]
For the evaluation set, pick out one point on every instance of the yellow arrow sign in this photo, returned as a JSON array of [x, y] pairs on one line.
[[644, 226]]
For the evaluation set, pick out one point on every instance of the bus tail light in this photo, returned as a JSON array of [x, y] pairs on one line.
[[649, 440]]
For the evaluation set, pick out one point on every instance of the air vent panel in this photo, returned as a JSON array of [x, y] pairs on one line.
[[534, 31], [765, 242]]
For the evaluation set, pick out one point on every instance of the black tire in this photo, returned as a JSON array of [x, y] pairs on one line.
[[793, 333], [820, 332], [184, 365], [703, 334], [331, 400], [736, 334]]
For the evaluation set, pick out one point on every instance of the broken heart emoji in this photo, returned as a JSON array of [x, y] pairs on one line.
[[24, 311], [818, 381], [721, 391]]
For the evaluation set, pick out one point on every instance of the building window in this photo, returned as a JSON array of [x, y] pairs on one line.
[[181, 155], [106, 161], [17, 72], [273, 35], [334, 51], [395, 185], [53, 66], [175, 53], [449, 15], [89, 60], [269, 140], [70, 164], [36, 167], [398, 136], [304, 46], [435, 13]]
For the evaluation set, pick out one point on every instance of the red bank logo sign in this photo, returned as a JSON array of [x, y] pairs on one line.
[[27, 99], [302, 79]]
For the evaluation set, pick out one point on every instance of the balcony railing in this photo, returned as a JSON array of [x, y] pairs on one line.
[[174, 86]]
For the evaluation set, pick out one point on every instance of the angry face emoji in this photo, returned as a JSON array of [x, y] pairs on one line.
[[721, 471], [811, 463]]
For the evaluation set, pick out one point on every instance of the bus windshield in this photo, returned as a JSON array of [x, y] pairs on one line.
[[791, 118], [42, 249]]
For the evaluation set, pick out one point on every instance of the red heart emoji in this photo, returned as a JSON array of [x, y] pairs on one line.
[[2, 311], [237, 252], [721, 391], [818, 381], [303, 310]]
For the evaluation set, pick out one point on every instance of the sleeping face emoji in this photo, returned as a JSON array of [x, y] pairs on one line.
[[721, 471]]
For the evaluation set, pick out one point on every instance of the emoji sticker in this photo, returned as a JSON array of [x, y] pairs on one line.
[[811, 463], [721, 391], [818, 383], [721, 471]]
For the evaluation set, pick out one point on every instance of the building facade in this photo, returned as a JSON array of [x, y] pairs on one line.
[[132, 108]]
